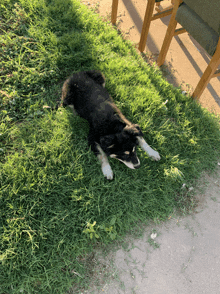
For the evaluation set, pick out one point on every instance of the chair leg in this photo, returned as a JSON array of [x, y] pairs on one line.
[[208, 74], [146, 24], [169, 34], [114, 11]]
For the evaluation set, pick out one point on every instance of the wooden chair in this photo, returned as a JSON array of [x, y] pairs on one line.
[[149, 16], [201, 19]]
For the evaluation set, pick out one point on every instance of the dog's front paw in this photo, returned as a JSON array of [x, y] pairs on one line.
[[107, 172], [154, 155]]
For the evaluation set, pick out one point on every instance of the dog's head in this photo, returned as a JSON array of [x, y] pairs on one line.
[[122, 145]]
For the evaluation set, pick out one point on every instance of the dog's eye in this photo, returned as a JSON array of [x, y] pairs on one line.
[[127, 152]]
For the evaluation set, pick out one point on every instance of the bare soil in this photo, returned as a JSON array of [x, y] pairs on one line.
[[186, 59]]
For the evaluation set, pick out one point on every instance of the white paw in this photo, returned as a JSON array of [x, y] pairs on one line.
[[107, 172], [151, 152], [154, 155]]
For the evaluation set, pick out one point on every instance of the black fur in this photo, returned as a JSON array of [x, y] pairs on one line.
[[108, 127]]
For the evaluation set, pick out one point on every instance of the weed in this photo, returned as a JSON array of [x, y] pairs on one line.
[[151, 239]]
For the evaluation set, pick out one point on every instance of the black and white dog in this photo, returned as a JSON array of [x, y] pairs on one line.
[[110, 133]]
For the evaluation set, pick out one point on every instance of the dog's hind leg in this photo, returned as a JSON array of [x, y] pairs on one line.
[[106, 168], [151, 152]]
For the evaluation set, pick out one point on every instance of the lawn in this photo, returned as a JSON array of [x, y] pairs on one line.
[[55, 204]]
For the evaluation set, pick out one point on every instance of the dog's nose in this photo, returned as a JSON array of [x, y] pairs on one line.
[[137, 166]]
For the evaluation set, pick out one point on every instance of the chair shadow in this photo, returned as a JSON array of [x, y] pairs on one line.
[[155, 50]]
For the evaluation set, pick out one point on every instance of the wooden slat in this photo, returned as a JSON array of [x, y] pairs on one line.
[[216, 74], [162, 14], [162, 10], [209, 73], [146, 24], [179, 31], [169, 34], [114, 11]]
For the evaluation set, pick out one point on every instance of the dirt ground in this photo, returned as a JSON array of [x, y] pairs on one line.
[[181, 255], [186, 59]]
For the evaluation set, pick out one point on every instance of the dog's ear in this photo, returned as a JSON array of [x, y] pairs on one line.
[[134, 130], [96, 76], [106, 141]]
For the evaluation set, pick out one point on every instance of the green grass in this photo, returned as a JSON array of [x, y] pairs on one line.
[[55, 203]]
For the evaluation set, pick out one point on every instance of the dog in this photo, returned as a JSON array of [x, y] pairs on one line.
[[111, 134]]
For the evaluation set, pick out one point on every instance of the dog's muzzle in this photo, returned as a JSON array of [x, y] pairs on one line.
[[129, 163]]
